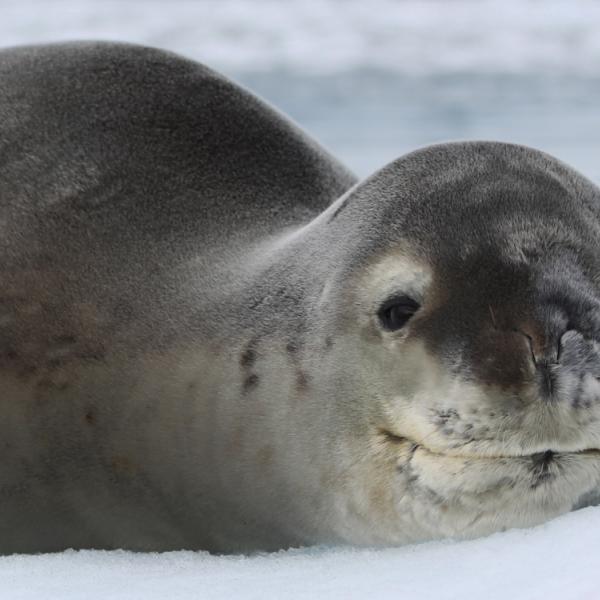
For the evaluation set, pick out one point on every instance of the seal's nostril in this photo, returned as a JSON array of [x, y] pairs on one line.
[[532, 346], [545, 350], [569, 332]]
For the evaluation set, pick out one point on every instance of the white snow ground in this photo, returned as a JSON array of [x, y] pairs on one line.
[[558, 560]]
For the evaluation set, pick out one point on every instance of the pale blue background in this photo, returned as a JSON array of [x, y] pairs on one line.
[[374, 79]]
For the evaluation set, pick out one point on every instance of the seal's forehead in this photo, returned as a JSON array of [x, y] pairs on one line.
[[472, 211], [442, 164], [452, 199]]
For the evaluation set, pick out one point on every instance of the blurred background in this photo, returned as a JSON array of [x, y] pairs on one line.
[[373, 79]]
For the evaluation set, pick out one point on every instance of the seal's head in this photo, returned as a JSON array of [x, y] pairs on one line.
[[474, 325]]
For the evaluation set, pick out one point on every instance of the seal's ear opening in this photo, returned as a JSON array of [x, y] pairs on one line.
[[395, 313]]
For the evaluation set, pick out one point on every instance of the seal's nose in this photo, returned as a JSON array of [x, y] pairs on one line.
[[558, 353], [544, 336], [545, 348]]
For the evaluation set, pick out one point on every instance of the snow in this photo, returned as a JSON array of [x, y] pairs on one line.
[[560, 559]]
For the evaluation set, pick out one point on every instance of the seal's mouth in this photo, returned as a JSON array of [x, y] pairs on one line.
[[547, 454]]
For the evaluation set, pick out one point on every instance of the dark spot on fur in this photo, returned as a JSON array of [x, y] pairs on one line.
[[541, 472], [431, 496], [446, 421], [328, 342], [578, 397], [406, 468], [250, 382], [248, 356], [302, 381], [90, 418], [412, 478], [292, 347]]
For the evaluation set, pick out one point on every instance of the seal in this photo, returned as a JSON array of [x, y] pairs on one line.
[[212, 336]]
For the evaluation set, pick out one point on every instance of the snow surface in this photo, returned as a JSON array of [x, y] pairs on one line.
[[558, 560]]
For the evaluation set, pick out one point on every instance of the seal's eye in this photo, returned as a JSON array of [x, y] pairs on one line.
[[395, 312]]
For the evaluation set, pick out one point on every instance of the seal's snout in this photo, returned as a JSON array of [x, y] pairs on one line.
[[545, 337], [545, 353], [549, 354], [576, 374], [566, 364]]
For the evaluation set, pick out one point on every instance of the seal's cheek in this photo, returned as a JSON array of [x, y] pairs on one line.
[[464, 482], [472, 348]]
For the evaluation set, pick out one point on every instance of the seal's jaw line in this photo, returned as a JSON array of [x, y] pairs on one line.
[[397, 439]]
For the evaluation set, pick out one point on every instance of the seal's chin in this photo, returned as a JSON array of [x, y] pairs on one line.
[[467, 494]]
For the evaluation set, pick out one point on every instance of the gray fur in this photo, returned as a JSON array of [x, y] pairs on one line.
[[190, 355]]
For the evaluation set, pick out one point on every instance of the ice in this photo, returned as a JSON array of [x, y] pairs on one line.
[[558, 560]]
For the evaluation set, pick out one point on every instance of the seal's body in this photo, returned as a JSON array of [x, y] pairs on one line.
[[210, 339]]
